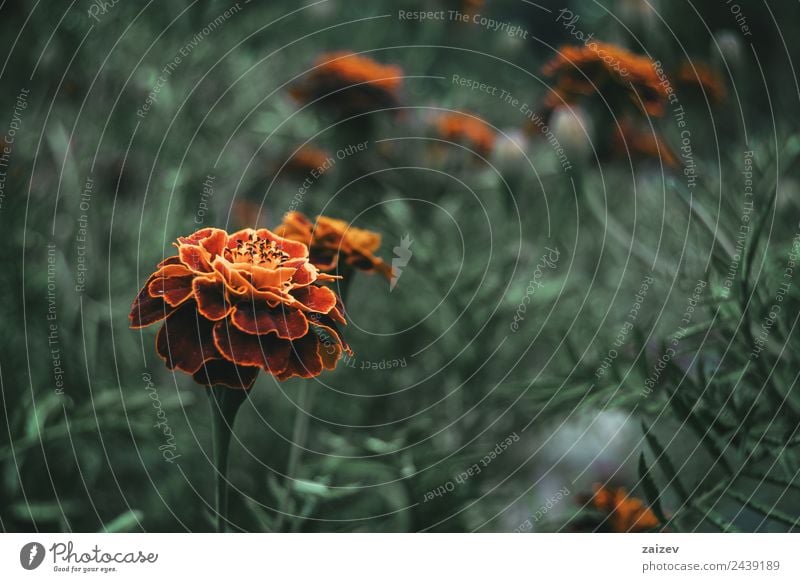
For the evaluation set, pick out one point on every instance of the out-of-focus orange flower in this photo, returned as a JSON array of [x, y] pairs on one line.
[[471, 7], [234, 304], [467, 129], [247, 213], [642, 143], [350, 83], [609, 70], [694, 74], [557, 98], [625, 513], [307, 159], [330, 240]]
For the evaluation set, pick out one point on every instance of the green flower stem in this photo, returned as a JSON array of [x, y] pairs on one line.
[[225, 403]]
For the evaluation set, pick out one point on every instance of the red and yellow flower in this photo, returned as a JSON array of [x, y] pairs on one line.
[[468, 130], [350, 83], [232, 305], [331, 240], [625, 513], [609, 70]]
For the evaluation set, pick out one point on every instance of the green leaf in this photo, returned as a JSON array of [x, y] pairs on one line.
[[651, 490], [770, 513], [127, 522], [311, 488], [45, 511], [261, 516], [685, 413], [46, 408], [720, 522], [663, 461]]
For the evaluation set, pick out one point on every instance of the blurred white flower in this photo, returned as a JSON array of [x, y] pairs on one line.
[[727, 48], [510, 146], [572, 127]]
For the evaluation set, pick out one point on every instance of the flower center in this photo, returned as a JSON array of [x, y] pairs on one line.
[[258, 251]]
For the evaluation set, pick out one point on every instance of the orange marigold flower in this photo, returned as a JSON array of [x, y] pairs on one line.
[[694, 74], [642, 143], [472, 7], [467, 129], [234, 304], [247, 213], [625, 513], [609, 70], [308, 158], [350, 83], [330, 239]]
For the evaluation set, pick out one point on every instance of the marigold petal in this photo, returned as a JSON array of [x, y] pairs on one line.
[[173, 270], [173, 260], [305, 274], [330, 355], [293, 248], [197, 236], [314, 298], [225, 373], [265, 351], [185, 340], [304, 359], [258, 318], [210, 296], [279, 278], [147, 310], [337, 313], [234, 279], [327, 324], [194, 257], [215, 242], [174, 290]]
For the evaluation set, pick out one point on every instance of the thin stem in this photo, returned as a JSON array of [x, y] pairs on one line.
[[225, 403], [299, 433]]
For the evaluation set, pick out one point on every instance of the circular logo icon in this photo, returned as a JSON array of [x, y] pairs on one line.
[[31, 555]]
